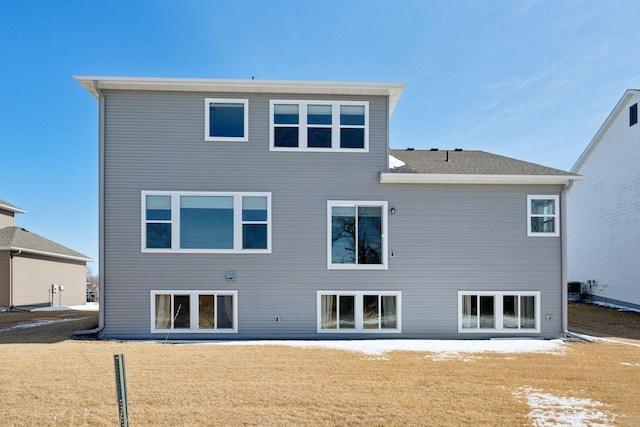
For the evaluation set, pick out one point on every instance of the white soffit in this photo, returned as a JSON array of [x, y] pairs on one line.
[[94, 84]]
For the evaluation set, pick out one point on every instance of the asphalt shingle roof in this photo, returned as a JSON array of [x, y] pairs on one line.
[[467, 163], [19, 238]]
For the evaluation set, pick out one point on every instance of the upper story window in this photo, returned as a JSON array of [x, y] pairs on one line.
[[542, 216], [319, 125], [357, 235], [206, 222], [633, 114], [226, 119]]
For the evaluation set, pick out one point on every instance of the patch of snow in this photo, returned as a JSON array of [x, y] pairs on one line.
[[35, 324], [446, 356], [550, 410], [90, 306], [395, 162], [379, 347], [615, 306]]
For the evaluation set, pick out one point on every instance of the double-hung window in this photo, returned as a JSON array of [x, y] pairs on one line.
[[356, 311], [206, 222], [319, 125], [542, 216], [499, 312], [194, 311], [357, 235], [226, 119]]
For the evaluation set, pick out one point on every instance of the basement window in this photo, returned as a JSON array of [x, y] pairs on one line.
[[488, 311], [194, 311]]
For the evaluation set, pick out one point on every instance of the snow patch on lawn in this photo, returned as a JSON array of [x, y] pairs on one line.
[[550, 410], [27, 325], [615, 306], [90, 306], [445, 348]]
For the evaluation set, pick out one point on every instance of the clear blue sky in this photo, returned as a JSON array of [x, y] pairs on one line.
[[532, 80]]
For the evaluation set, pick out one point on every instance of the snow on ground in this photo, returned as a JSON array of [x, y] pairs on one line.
[[90, 306], [445, 348], [27, 325], [550, 410], [614, 306]]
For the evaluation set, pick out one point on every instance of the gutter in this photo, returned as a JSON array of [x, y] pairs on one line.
[[101, 115], [563, 257], [487, 179], [44, 253]]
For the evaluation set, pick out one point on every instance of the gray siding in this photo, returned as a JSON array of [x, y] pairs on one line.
[[446, 238]]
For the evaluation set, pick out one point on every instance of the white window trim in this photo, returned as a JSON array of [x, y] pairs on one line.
[[207, 111], [498, 312], [193, 315], [175, 222], [358, 312], [556, 216], [302, 125], [350, 203]]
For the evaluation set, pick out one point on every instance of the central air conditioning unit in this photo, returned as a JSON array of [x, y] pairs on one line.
[[575, 288]]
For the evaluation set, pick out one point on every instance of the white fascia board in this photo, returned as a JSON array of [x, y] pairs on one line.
[[94, 84], [427, 178], [11, 209], [43, 253]]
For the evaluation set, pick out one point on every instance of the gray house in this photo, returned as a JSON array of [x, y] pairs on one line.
[[234, 209], [35, 271]]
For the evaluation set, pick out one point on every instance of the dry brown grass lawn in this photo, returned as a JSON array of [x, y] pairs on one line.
[[72, 383]]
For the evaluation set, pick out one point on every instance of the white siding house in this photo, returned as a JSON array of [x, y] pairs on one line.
[[603, 210]]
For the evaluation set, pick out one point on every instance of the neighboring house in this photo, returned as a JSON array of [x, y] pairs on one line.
[[30, 265], [234, 209], [604, 210]]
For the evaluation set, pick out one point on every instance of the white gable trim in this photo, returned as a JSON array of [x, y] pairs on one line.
[[604, 128]]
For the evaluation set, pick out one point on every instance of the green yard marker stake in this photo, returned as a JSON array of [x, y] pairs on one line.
[[121, 389]]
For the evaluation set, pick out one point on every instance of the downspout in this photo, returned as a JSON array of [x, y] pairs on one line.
[[563, 244], [101, 132]]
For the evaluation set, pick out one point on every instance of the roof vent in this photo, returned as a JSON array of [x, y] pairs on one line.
[[24, 229], [434, 149], [410, 149], [458, 149]]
